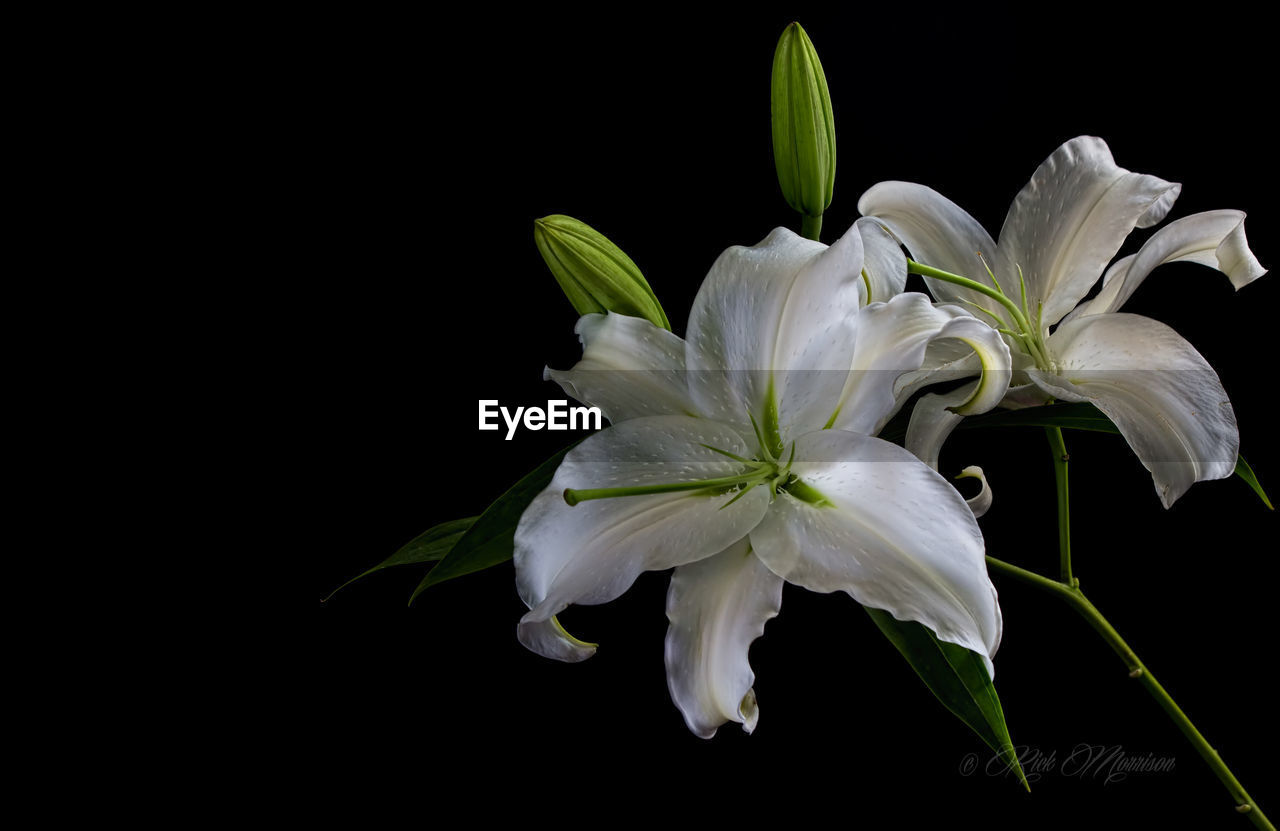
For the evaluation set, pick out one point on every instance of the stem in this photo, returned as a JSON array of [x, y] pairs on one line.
[[1075, 598], [1060, 456], [811, 226]]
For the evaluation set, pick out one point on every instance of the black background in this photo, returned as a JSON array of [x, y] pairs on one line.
[[444, 138]]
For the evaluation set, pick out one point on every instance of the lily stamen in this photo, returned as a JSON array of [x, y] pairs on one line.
[[990, 273]]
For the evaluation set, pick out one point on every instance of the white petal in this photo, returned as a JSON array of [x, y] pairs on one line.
[[717, 607], [895, 536], [1164, 397], [939, 233], [981, 503], [932, 419], [884, 266], [629, 368], [593, 551], [1212, 238], [1070, 220], [784, 304], [892, 339]]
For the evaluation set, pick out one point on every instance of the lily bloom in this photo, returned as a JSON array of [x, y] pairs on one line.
[[743, 457], [1060, 233]]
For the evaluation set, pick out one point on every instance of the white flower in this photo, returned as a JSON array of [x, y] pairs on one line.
[[743, 458], [1060, 233]]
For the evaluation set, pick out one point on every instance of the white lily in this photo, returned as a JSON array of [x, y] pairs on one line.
[[1060, 233], [743, 458]]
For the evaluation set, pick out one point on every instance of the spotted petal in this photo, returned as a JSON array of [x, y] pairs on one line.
[[1070, 220], [783, 304], [892, 533], [1161, 393]]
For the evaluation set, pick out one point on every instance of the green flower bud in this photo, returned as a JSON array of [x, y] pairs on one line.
[[804, 132], [593, 272]]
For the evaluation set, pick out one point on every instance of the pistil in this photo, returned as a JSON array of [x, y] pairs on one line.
[[769, 471], [1027, 334]]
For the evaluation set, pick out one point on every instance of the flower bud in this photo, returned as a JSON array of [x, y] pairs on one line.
[[804, 133], [593, 272]]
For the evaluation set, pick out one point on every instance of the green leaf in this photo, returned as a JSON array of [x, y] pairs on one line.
[[1071, 416], [1246, 473], [1082, 417], [430, 545], [958, 678], [491, 540]]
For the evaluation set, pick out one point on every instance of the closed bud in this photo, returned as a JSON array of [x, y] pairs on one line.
[[594, 273], [804, 133]]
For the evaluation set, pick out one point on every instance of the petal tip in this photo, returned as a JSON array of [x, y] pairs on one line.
[[749, 712]]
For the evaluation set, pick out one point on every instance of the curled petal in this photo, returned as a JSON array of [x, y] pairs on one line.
[[1212, 238], [592, 552], [994, 359], [1070, 220], [893, 338], [630, 368], [890, 532], [939, 233], [717, 607], [981, 503], [884, 267], [932, 420], [1163, 396]]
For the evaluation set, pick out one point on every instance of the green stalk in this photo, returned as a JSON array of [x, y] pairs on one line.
[[1059, 448], [811, 226], [1068, 591]]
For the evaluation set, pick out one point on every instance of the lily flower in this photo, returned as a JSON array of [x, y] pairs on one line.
[[1060, 233], [743, 457]]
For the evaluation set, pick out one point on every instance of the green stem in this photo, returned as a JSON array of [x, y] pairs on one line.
[[1059, 449], [811, 226], [1073, 597]]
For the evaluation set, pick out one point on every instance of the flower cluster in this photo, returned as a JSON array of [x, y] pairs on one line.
[[745, 455]]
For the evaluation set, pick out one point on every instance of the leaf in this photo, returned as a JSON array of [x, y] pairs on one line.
[[958, 678], [1072, 416], [491, 540], [430, 545], [1246, 473], [1082, 417]]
